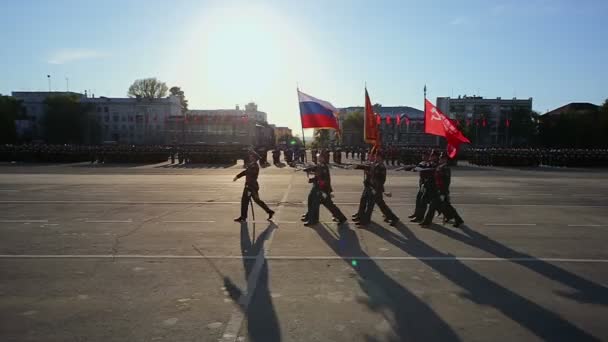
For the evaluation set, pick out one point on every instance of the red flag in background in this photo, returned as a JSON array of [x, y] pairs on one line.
[[370, 126], [508, 123], [436, 123], [398, 120], [484, 122], [407, 120], [388, 119], [378, 119]]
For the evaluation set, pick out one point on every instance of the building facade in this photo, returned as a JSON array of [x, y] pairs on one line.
[[487, 119], [120, 120], [132, 120], [408, 132], [220, 126], [35, 109]]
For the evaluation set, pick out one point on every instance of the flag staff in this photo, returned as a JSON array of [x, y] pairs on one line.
[[302, 124]]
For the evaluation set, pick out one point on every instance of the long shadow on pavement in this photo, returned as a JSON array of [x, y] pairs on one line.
[[412, 319], [588, 291], [544, 323], [262, 321]]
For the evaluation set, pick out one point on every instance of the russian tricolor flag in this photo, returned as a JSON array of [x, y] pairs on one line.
[[317, 113]]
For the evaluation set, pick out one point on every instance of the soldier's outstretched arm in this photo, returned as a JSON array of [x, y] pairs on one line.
[[243, 173]]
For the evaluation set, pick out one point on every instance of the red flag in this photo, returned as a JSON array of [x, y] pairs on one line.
[[370, 127], [508, 123], [398, 120], [407, 120], [378, 119], [484, 122], [436, 123], [388, 119]]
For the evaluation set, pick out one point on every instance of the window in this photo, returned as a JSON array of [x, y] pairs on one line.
[[98, 109], [124, 119], [115, 117], [105, 109], [124, 127], [106, 128]]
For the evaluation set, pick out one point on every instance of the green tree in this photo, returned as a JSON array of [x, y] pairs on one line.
[[10, 110], [67, 121], [177, 91], [524, 127], [321, 138], [149, 88]]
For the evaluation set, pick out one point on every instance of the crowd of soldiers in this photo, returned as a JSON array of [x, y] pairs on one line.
[[533, 157], [139, 154], [231, 153]]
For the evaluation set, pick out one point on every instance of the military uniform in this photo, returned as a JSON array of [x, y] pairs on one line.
[[440, 197], [251, 189], [377, 178], [321, 194]]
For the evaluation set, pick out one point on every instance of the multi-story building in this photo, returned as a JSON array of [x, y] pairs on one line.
[[214, 126], [133, 120], [409, 131], [121, 120], [281, 132], [487, 117], [35, 108]]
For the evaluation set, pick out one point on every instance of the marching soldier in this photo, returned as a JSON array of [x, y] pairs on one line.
[[251, 188], [439, 199], [377, 178], [321, 193]]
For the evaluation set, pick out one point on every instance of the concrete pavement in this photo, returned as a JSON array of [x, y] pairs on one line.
[[150, 253]]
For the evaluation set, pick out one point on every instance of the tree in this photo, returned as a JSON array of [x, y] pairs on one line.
[[67, 121], [321, 138], [10, 110], [524, 127], [149, 88], [177, 91]]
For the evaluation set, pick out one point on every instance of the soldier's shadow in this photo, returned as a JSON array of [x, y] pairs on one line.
[[545, 324], [262, 320], [586, 291], [410, 318]]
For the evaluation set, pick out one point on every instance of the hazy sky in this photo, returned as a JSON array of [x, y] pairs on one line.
[[224, 53]]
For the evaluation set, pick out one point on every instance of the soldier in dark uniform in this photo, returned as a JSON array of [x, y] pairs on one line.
[[377, 178], [426, 169], [276, 156], [321, 193], [251, 188], [440, 197]]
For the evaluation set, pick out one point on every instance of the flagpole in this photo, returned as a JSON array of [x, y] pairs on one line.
[[301, 124]]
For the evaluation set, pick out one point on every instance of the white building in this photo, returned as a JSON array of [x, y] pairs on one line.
[[131, 120], [123, 120]]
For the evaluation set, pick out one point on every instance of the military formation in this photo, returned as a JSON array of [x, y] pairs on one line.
[[140, 154], [533, 157], [231, 153]]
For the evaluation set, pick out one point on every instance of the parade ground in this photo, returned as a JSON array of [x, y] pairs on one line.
[[151, 253]]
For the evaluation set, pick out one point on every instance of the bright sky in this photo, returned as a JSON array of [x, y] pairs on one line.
[[224, 53]]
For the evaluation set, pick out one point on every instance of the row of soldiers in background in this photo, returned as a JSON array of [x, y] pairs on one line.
[[291, 155], [143, 154], [533, 157], [392, 155]]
